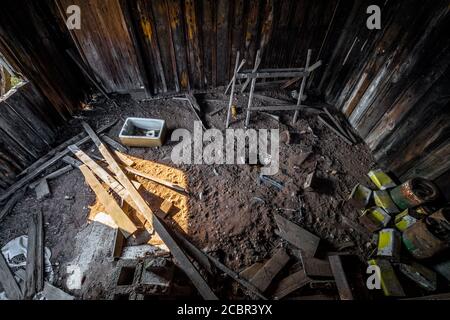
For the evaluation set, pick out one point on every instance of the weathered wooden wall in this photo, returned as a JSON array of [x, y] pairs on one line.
[[26, 131], [392, 84]]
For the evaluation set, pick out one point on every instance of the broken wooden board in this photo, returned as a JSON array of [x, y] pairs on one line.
[[42, 190], [263, 278], [105, 176], [290, 284], [179, 255], [143, 207], [162, 182], [124, 223], [34, 280], [297, 236], [8, 282], [113, 143], [345, 292], [317, 268]]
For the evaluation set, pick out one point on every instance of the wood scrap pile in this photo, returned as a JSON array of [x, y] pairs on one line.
[[294, 271]]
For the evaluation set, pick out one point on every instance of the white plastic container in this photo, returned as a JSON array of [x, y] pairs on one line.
[[145, 133]]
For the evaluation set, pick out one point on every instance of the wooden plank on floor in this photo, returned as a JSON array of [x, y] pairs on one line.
[[317, 268], [8, 282], [144, 209], [345, 292], [30, 279], [124, 223], [290, 284], [263, 278], [179, 255], [104, 176], [297, 236], [113, 143]]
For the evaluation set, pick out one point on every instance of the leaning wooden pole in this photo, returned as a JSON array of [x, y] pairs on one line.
[[233, 87]]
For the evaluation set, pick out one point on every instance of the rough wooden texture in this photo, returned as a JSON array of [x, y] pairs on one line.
[[34, 281], [391, 84], [124, 223], [263, 278], [297, 236], [109, 51]]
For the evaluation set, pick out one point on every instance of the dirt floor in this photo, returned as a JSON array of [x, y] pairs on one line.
[[228, 213]]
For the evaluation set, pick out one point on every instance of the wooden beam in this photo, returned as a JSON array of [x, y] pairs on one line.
[[162, 182], [345, 292], [124, 223], [263, 278], [297, 236], [113, 143], [184, 262], [42, 164], [8, 281], [104, 176], [144, 209]]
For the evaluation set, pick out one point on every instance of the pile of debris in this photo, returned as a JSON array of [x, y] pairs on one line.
[[409, 224]]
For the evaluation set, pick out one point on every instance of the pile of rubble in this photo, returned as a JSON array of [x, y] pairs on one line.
[[409, 224]]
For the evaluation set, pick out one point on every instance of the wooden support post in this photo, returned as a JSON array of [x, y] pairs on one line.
[[34, 281], [303, 85], [184, 262], [233, 88]]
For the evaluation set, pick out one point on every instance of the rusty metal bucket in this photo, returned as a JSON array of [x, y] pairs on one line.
[[413, 193], [430, 236]]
